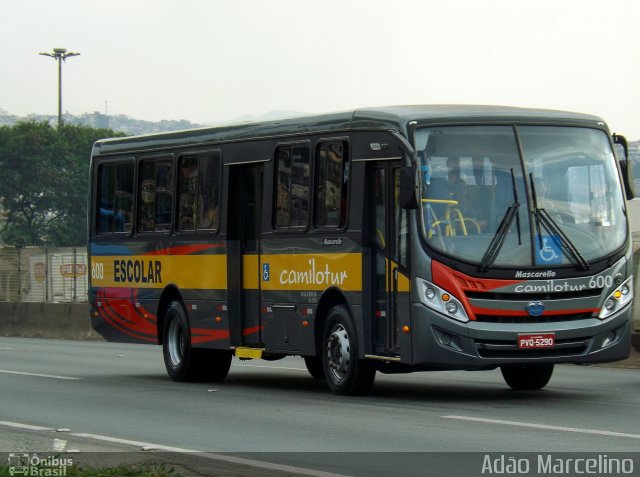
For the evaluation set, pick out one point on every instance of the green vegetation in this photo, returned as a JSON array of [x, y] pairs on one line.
[[120, 471], [44, 181]]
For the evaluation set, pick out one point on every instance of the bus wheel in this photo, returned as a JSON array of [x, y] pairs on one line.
[[184, 363], [344, 372], [527, 377], [314, 365], [213, 364]]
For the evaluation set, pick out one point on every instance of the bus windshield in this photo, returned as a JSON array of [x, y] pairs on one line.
[[561, 203]]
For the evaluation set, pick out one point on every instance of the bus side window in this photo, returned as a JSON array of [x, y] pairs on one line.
[[164, 195], [188, 193], [115, 202], [156, 196], [300, 187], [292, 186], [106, 206], [332, 178], [209, 192], [198, 192]]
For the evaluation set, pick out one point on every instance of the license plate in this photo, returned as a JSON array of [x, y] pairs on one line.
[[546, 340]]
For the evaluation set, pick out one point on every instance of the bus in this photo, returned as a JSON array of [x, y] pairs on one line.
[[392, 240]]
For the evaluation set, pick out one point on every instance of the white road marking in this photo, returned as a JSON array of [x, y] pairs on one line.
[[38, 375], [128, 442], [59, 445], [19, 425], [211, 456], [7, 349], [596, 432], [271, 466]]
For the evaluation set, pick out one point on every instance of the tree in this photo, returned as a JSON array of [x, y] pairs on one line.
[[45, 182]]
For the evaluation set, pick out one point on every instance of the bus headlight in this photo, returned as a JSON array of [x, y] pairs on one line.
[[617, 299], [430, 293], [439, 300]]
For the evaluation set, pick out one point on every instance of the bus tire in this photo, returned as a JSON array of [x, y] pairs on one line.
[[344, 372], [314, 366], [527, 377], [213, 364], [182, 361]]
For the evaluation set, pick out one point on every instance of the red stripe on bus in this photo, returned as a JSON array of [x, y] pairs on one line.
[[104, 314], [443, 275], [137, 328], [251, 331], [203, 335], [487, 311], [456, 282]]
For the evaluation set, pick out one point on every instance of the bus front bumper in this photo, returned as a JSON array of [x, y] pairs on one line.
[[439, 342]]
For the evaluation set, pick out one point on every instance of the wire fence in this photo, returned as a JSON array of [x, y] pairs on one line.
[[43, 275]]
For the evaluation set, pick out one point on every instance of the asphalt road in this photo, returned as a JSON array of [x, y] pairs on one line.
[[107, 396]]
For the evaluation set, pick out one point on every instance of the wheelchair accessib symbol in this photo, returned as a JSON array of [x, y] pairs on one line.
[[548, 251], [265, 272]]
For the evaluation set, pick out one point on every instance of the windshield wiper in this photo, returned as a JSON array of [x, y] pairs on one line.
[[501, 234], [543, 218]]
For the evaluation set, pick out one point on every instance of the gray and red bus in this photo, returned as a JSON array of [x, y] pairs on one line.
[[389, 240]]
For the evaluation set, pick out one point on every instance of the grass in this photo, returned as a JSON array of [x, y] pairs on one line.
[[142, 470]]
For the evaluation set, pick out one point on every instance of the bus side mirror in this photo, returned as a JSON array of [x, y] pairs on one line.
[[625, 165], [407, 189]]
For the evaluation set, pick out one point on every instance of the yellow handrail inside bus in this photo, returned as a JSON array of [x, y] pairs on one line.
[[460, 219], [450, 230], [440, 201]]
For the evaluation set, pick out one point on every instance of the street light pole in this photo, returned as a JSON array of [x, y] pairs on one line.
[[60, 55]]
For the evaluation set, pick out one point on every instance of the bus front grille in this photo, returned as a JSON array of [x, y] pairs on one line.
[[533, 319], [484, 295]]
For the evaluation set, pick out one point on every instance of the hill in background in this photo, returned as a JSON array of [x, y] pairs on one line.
[[131, 126]]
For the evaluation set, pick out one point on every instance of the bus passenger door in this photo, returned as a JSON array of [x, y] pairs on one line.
[[243, 254], [389, 237]]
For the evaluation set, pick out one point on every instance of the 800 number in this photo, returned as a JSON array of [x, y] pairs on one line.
[[97, 271]]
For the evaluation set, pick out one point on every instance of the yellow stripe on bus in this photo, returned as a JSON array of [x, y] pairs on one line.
[[275, 272], [250, 272], [203, 272], [311, 271], [404, 284]]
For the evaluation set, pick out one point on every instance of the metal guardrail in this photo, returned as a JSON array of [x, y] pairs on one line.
[[43, 275]]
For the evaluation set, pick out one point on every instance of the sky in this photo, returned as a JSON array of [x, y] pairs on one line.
[[215, 60]]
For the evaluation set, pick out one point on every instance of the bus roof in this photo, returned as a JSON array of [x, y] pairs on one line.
[[384, 118]]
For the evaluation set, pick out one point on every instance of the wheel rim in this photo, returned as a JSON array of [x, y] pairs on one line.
[[175, 338], [338, 352]]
